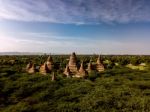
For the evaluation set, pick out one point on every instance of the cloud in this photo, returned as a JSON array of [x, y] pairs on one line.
[[57, 44], [76, 11], [27, 41]]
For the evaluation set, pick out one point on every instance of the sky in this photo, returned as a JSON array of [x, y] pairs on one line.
[[82, 26]]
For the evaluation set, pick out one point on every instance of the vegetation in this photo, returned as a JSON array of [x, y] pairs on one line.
[[118, 89]]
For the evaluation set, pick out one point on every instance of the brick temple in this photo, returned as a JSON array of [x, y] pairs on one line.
[[71, 70]]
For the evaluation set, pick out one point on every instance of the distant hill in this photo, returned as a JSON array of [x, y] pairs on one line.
[[21, 53]]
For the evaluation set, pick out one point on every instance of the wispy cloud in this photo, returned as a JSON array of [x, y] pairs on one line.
[[76, 11], [58, 44]]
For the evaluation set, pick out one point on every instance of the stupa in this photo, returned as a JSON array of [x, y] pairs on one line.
[[89, 69], [67, 71], [81, 72], [72, 64], [44, 69], [99, 65], [53, 76], [49, 64], [30, 68]]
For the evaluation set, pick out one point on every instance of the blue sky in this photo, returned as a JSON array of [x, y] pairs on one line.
[[83, 26]]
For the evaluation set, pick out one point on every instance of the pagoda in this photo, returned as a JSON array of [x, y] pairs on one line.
[[30, 68], [89, 69], [49, 64], [53, 77], [67, 71], [81, 72], [73, 64], [99, 65], [44, 69]]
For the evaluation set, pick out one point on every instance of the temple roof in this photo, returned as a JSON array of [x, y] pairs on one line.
[[89, 66], [82, 72], [67, 71], [30, 68], [73, 59], [50, 59], [98, 60]]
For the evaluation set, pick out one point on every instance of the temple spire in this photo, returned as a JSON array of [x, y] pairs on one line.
[[99, 65], [53, 77], [82, 72], [50, 59], [89, 69], [67, 71], [73, 63], [30, 68], [43, 69], [49, 64], [98, 60]]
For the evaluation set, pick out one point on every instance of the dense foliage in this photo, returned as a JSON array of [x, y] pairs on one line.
[[116, 89]]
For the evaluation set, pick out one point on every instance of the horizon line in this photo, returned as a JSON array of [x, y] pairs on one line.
[[49, 53]]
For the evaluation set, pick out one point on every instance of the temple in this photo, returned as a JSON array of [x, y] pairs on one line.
[[30, 68], [47, 67], [49, 64], [71, 70], [81, 72], [53, 77], [99, 65], [43, 69], [89, 69], [67, 71], [73, 64]]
